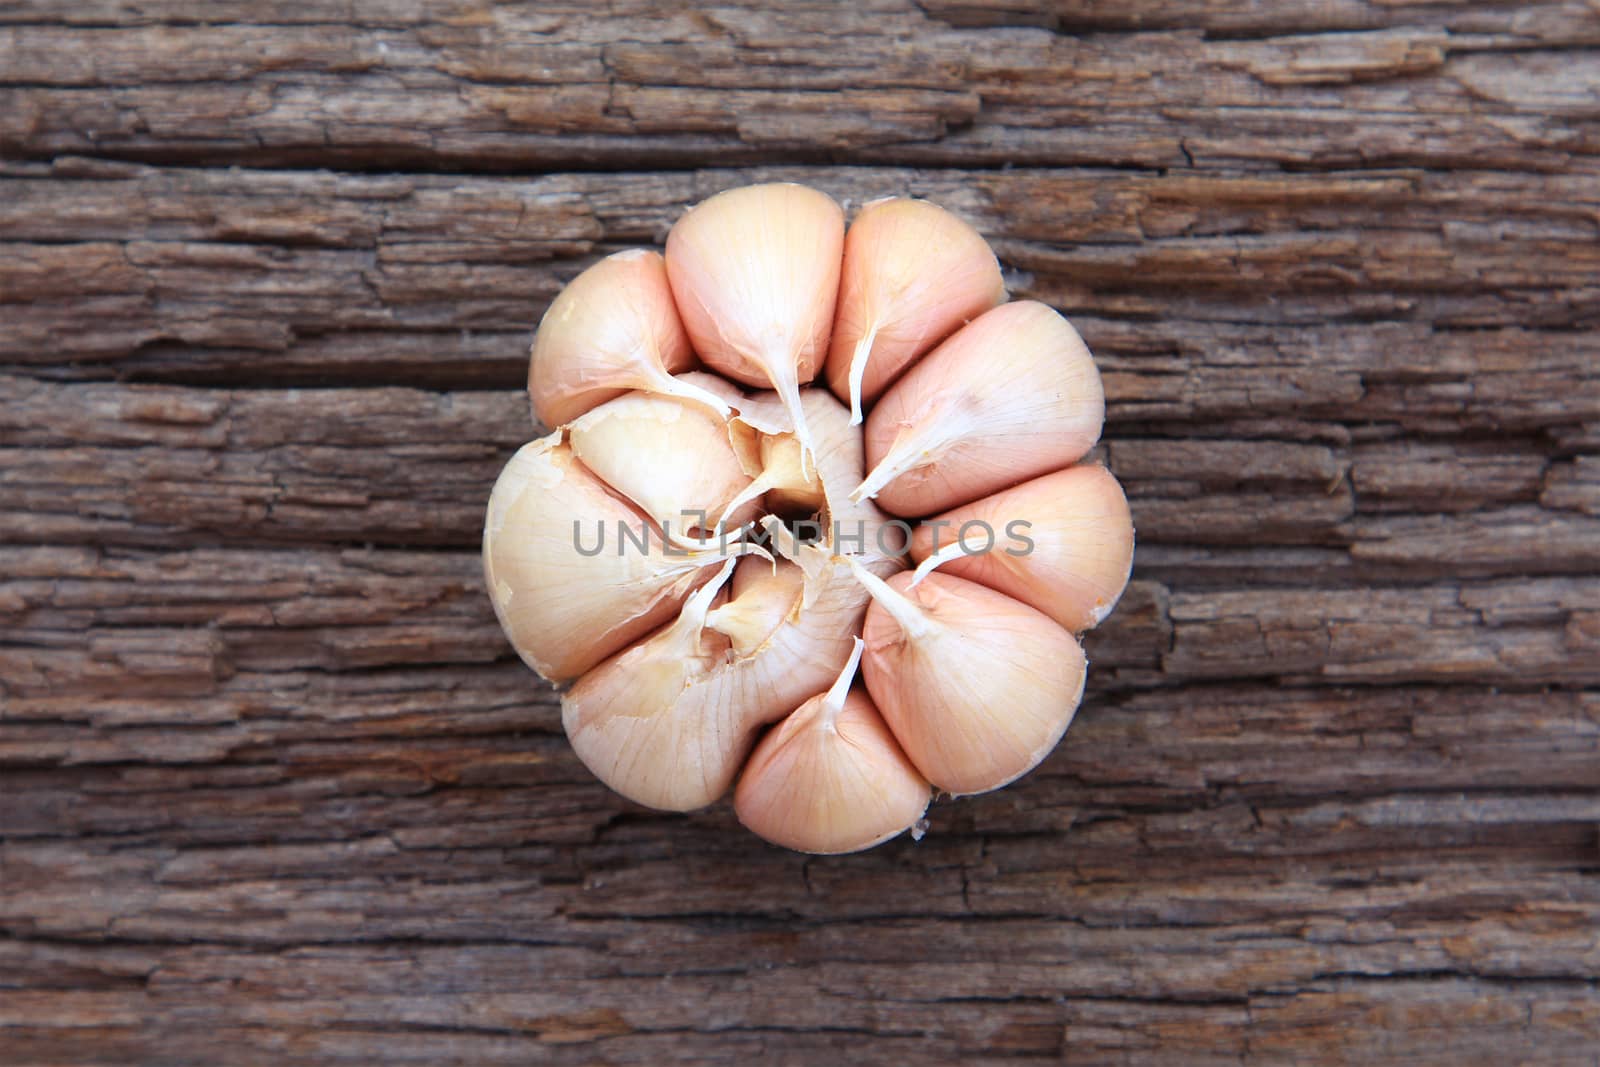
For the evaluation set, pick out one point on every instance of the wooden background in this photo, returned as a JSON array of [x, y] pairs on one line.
[[273, 790]]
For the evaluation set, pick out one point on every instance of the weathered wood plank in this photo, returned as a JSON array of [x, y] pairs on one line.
[[1180, 282], [176, 625], [166, 465], [1532, 20], [102, 464], [423, 927], [888, 81]]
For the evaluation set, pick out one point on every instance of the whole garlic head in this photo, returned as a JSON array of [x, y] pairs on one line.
[[708, 549]]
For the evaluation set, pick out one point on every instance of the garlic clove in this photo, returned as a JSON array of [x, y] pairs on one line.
[[624, 719], [977, 687], [668, 722], [1062, 543], [796, 488], [755, 274], [912, 273], [830, 778], [765, 595], [614, 328], [564, 590], [1011, 395], [671, 457]]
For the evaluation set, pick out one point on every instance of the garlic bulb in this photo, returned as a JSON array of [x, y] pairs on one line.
[[1016, 383], [755, 272], [1065, 544], [912, 273], [704, 555], [612, 329], [831, 777]]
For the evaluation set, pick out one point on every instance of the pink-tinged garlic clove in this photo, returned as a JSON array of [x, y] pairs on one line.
[[977, 687], [671, 457], [614, 328], [912, 273], [755, 274], [632, 721], [831, 778], [1012, 395], [1062, 543]]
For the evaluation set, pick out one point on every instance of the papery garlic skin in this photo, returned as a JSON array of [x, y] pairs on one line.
[[755, 274], [718, 386], [912, 273], [671, 457], [668, 722], [762, 410], [1011, 395], [564, 610], [1061, 543], [977, 687], [831, 778], [612, 329]]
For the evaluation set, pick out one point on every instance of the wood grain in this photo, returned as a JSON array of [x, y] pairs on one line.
[[273, 789]]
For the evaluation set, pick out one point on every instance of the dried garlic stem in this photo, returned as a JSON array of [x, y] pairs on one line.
[[954, 550], [912, 619], [916, 446], [787, 384], [858, 370], [833, 699], [659, 381], [692, 619]]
